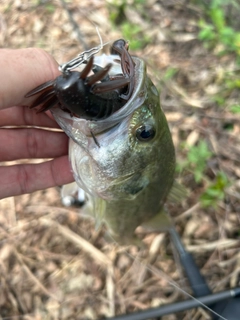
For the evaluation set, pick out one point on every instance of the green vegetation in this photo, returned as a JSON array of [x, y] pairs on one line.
[[218, 34], [217, 31], [196, 163], [197, 159], [215, 191], [169, 73], [135, 35], [132, 32], [50, 7], [235, 108], [229, 82]]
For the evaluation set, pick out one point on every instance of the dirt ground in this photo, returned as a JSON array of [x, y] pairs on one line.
[[47, 268]]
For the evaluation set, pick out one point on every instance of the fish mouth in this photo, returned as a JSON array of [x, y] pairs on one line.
[[73, 125]]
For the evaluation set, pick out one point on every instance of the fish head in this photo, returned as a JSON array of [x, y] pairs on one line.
[[118, 157]]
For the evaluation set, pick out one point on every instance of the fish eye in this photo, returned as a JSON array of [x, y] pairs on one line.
[[145, 133]]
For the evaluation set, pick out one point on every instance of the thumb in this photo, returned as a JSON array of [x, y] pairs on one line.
[[21, 71]]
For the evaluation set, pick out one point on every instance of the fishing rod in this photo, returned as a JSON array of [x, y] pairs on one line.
[[223, 305], [229, 307], [185, 305]]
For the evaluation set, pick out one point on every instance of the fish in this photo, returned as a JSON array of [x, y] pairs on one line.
[[128, 174]]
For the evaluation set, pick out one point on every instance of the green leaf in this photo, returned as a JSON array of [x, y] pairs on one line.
[[227, 37], [170, 72], [216, 191], [235, 108], [50, 7], [207, 33], [197, 158], [198, 175], [217, 16], [135, 35]]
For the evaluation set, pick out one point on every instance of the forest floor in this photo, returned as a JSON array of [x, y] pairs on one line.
[[47, 269]]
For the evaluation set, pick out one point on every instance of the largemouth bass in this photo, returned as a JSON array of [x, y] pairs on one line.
[[129, 172]]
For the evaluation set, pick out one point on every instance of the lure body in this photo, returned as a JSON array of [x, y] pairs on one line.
[[91, 97]]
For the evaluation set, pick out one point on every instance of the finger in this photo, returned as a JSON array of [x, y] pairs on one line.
[[31, 144], [23, 116], [23, 70], [27, 178]]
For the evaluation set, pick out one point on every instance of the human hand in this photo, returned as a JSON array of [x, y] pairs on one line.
[[21, 71]]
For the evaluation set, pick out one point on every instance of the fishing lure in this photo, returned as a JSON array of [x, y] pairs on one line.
[[82, 95]]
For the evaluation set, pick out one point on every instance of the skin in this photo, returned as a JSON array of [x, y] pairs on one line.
[[23, 70]]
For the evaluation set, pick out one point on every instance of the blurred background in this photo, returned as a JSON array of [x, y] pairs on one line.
[[192, 52]]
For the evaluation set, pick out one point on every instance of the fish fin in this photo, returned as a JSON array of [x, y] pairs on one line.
[[160, 222], [177, 193], [69, 189], [123, 241]]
